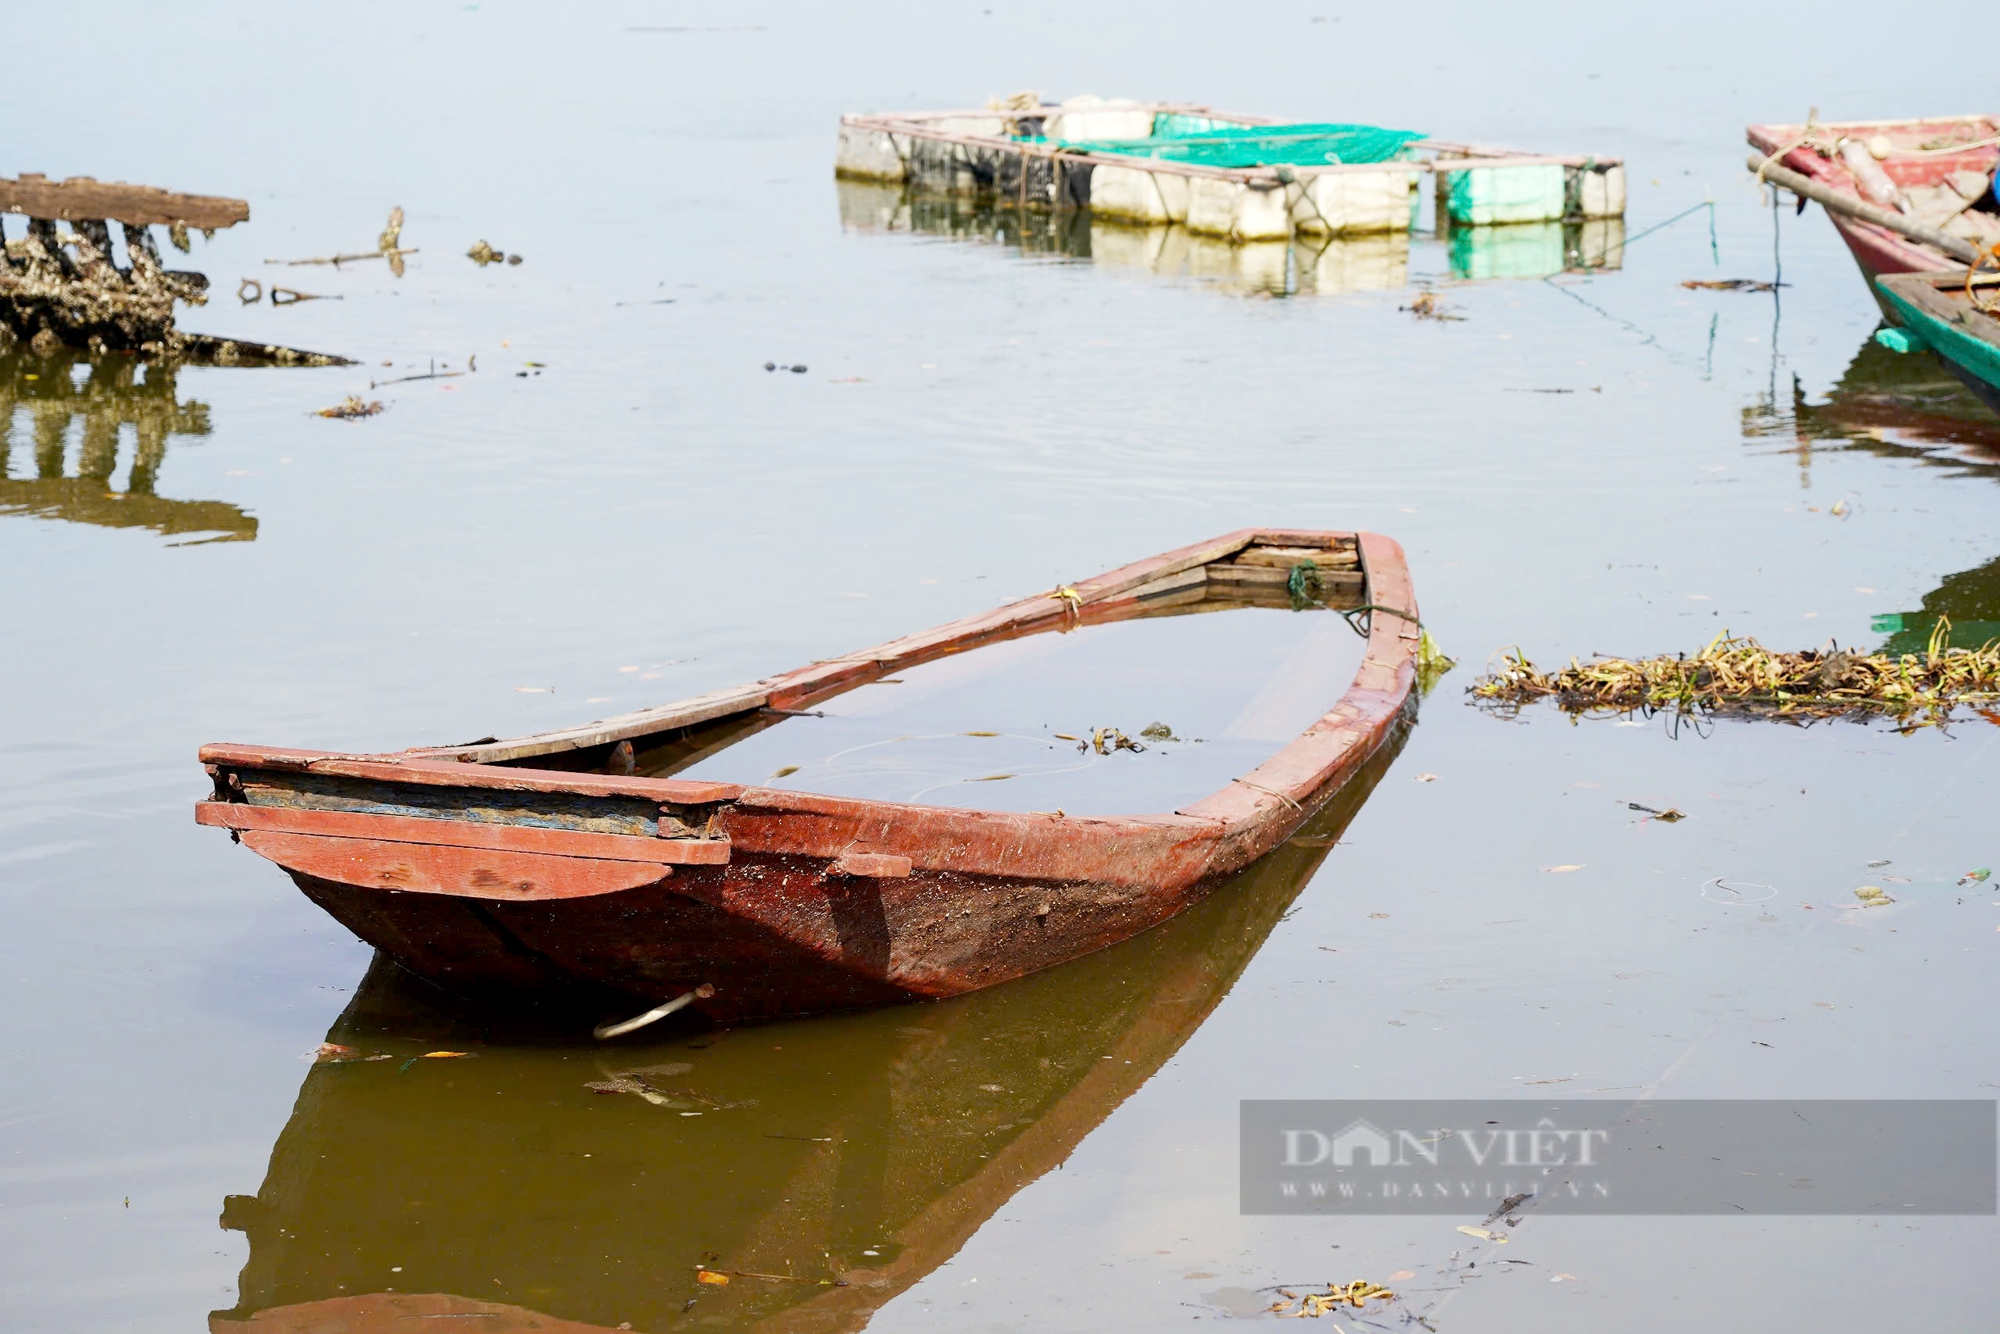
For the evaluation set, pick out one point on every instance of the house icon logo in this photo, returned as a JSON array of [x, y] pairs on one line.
[[1361, 1145]]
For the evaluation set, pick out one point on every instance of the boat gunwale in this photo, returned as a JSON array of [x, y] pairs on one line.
[[1304, 768], [1780, 144], [1966, 338]]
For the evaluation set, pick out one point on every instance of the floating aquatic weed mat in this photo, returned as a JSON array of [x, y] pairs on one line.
[[1740, 676]]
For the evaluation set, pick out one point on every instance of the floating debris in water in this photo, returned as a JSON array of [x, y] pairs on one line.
[[1427, 306], [1317, 1304], [1730, 285], [483, 254], [796, 370], [1154, 732], [1975, 877], [291, 296], [1104, 740], [388, 245], [1741, 676], [638, 1082], [351, 409], [63, 288], [1431, 661], [332, 1053]]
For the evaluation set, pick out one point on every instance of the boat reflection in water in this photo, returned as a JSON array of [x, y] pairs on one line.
[[1971, 601], [1301, 266], [105, 393], [1535, 249], [1901, 406], [841, 1158], [1892, 404]]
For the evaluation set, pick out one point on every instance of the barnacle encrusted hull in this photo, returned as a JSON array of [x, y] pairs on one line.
[[62, 289]]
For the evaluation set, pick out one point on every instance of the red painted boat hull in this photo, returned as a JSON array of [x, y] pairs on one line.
[[516, 883], [1877, 250]]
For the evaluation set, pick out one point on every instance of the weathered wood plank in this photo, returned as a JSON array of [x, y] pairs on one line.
[[464, 834], [420, 768], [428, 868], [81, 198], [1287, 557]]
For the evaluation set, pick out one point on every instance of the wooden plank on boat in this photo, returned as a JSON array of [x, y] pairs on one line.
[[872, 865], [419, 768], [1854, 206], [1279, 575], [464, 834], [1110, 585], [1942, 297], [1285, 558], [430, 868], [686, 713], [1180, 582], [82, 199]]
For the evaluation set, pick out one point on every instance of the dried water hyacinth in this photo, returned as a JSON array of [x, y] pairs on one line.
[[352, 408], [1316, 1304], [1741, 676]]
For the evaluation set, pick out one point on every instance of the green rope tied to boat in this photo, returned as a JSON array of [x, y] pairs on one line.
[[1303, 584]]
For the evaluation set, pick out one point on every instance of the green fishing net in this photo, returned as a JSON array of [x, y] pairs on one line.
[[1208, 143]]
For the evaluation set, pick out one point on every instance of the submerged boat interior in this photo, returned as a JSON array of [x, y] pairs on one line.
[[1135, 703]]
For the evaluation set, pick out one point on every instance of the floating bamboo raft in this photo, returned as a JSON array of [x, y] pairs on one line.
[[1030, 153], [62, 289]]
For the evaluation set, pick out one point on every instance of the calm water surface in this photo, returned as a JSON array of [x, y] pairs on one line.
[[620, 505]]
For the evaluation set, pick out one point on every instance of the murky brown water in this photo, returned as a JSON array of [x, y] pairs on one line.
[[621, 484]]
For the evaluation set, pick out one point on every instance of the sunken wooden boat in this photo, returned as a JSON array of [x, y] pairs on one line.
[[859, 1158], [1955, 315], [643, 859], [1907, 196]]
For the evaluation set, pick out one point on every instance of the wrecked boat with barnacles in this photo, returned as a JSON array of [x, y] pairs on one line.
[[64, 289], [1240, 177], [935, 815]]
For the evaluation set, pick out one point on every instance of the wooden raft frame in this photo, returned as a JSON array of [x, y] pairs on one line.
[[1452, 155], [1048, 174]]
